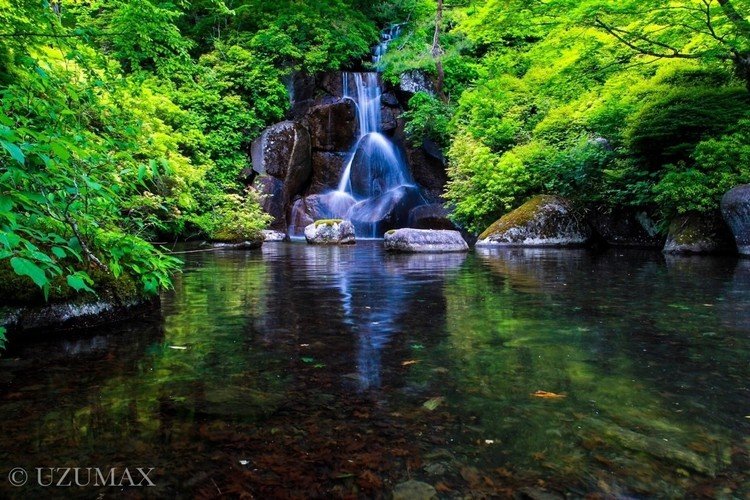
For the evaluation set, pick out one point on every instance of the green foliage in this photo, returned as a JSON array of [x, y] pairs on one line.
[[612, 103], [428, 118], [127, 122]]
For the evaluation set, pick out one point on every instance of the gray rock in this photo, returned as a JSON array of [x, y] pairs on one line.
[[332, 124], [735, 207], [698, 234], [330, 232], [424, 240], [416, 81], [274, 236], [238, 245], [414, 490], [543, 221], [283, 151], [428, 169], [432, 216]]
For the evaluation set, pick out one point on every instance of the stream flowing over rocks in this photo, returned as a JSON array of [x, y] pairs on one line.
[[342, 154]]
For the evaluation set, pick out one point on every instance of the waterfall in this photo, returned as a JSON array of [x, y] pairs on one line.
[[375, 190]]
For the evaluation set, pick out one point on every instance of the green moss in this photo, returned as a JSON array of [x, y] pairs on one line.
[[520, 216], [328, 222], [20, 290], [390, 231]]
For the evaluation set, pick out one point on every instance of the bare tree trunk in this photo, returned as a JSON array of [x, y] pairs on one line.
[[437, 52]]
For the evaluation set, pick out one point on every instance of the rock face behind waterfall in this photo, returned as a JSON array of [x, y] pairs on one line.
[[424, 240], [330, 232], [543, 221], [332, 124], [735, 207], [390, 210]]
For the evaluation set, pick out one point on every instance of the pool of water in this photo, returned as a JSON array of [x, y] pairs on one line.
[[305, 371]]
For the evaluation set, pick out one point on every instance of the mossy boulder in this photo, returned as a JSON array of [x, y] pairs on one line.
[[735, 207], [23, 306], [543, 221], [698, 234], [330, 232]]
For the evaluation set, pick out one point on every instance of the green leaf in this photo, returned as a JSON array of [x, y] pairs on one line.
[[59, 252], [14, 151], [78, 282], [24, 267]]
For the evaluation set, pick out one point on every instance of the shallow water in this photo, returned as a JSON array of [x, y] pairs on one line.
[[310, 371]]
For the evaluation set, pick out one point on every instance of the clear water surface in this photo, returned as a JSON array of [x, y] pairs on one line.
[[300, 371]]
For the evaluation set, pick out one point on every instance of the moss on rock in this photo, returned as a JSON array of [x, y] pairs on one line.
[[327, 222]]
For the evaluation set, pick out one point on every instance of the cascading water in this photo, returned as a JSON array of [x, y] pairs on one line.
[[376, 190]]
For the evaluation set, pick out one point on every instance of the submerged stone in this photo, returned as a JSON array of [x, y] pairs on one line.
[[543, 221], [735, 207], [330, 232], [414, 490], [698, 233], [424, 240]]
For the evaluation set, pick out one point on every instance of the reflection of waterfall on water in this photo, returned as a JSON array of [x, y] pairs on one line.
[[376, 191]]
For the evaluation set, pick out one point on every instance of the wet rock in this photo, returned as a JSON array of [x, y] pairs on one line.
[[271, 191], [700, 234], [626, 228], [411, 82], [375, 216], [390, 100], [327, 169], [330, 232], [428, 171], [414, 490], [317, 206], [332, 124], [109, 307], [332, 83], [735, 207], [376, 167], [432, 216], [409, 240], [543, 221], [274, 236], [283, 151], [389, 119], [239, 245]]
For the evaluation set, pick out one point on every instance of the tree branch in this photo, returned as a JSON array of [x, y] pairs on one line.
[[621, 35]]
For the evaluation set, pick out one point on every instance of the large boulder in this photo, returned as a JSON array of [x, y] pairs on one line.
[[698, 234], [432, 216], [543, 221], [409, 240], [271, 191], [333, 124], [330, 232], [390, 210], [411, 82], [283, 151], [427, 167], [735, 207], [327, 168], [626, 227]]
